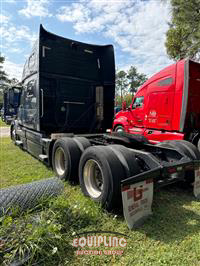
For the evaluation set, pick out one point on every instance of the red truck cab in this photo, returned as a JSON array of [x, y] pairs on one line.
[[166, 106]]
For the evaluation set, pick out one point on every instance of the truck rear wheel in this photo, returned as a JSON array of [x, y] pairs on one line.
[[187, 148], [100, 174], [192, 149], [127, 159], [66, 155]]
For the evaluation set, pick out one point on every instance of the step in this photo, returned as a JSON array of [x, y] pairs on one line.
[[46, 140], [19, 143], [43, 157]]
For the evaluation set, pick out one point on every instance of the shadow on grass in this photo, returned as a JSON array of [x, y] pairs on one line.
[[174, 215]]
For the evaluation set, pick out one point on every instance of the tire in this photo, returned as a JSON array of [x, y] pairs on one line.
[[119, 129], [127, 159], [191, 147], [82, 143], [66, 155], [105, 187], [187, 148], [13, 133]]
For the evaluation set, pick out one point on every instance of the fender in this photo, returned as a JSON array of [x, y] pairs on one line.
[[123, 121]]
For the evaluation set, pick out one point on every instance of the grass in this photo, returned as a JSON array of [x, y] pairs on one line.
[[3, 124], [171, 236]]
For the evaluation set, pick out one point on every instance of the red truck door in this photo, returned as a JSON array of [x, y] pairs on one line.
[[138, 113], [160, 104]]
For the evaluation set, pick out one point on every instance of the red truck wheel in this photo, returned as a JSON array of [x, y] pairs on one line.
[[119, 129]]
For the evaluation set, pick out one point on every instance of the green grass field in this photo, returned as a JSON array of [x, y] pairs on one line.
[[171, 236], [2, 124]]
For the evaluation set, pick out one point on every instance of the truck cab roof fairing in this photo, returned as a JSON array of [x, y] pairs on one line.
[[63, 56], [33, 62]]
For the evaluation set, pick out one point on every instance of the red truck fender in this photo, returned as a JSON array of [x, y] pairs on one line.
[[121, 121]]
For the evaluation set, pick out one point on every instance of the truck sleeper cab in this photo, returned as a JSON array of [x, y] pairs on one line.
[[67, 104], [166, 106]]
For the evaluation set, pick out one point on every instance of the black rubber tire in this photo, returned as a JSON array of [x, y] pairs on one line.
[[117, 129], [72, 155], [187, 148], [82, 143], [28, 195], [127, 159], [191, 148], [112, 172], [73, 148], [13, 133]]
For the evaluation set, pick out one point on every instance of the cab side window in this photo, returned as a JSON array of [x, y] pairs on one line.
[[138, 102], [30, 103]]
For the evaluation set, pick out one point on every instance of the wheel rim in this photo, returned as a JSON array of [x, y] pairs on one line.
[[119, 129], [60, 165], [93, 178]]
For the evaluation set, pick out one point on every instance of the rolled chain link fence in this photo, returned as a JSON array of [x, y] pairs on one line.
[[29, 195]]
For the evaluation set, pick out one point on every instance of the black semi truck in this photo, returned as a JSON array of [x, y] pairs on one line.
[[67, 104]]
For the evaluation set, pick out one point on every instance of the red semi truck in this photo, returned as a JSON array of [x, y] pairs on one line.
[[167, 106]]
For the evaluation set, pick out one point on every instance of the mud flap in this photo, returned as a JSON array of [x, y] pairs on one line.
[[137, 200], [197, 183]]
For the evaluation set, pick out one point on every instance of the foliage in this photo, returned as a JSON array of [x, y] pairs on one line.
[[3, 75], [183, 36], [127, 84], [121, 83], [135, 79], [127, 98], [14, 81]]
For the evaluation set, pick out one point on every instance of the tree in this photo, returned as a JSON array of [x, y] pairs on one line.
[[3, 76], [127, 84], [121, 83], [183, 36], [135, 79], [14, 81]]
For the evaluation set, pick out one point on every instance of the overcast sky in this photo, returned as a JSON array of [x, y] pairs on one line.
[[136, 28]]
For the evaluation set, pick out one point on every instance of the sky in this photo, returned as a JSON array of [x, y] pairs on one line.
[[136, 28]]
